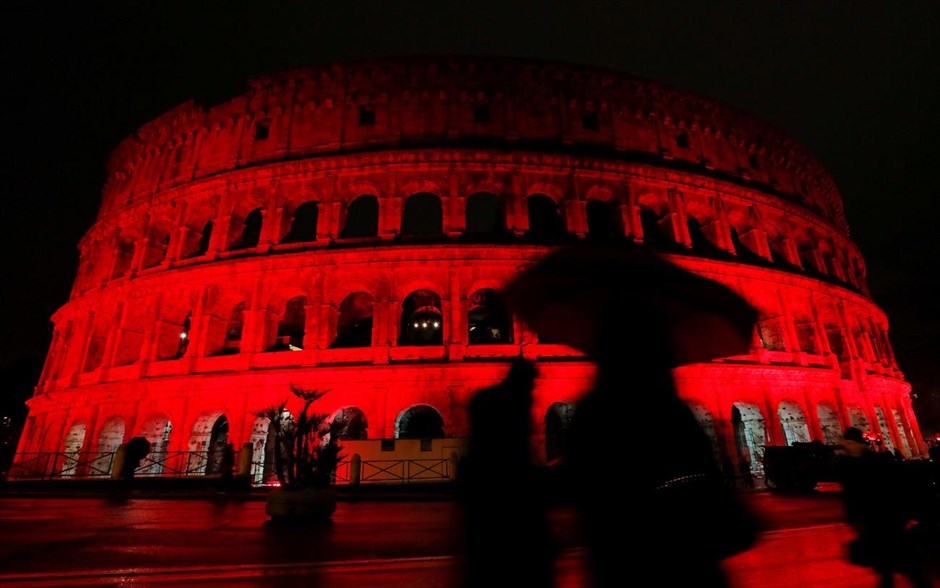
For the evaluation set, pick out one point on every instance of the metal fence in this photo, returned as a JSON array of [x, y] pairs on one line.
[[187, 464]]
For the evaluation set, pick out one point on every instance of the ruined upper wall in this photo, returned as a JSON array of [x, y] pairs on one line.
[[476, 102]]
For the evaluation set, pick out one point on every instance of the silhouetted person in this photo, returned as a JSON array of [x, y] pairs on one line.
[[227, 461], [875, 505], [668, 519], [747, 477], [508, 543]]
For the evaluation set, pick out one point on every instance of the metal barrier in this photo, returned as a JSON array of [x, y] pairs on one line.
[[65, 465]]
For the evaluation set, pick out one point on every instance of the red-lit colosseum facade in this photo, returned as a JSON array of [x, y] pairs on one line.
[[346, 227]]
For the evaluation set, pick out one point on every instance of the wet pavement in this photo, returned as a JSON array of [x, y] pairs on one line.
[[141, 543]]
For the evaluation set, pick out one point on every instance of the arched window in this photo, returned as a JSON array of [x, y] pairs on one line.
[[290, 329], [251, 232], [484, 215], [420, 422], [604, 222], [362, 218], [422, 321], [354, 327], [157, 431], [488, 320], [744, 252], [201, 247], [124, 254], [545, 224], [233, 330], [303, 227], [109, 439], [422, 215], [350, 423]]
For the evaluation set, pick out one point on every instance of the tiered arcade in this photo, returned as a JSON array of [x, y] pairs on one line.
[[348, 226]]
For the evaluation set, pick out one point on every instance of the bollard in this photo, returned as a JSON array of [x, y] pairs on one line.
[[452, 465]]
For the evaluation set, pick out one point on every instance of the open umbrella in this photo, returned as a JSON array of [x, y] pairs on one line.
[[571, 293]]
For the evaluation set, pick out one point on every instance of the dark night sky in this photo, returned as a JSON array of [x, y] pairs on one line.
[[857, 82]]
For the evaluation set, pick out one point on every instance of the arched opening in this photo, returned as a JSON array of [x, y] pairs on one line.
[[829, 423], [653, 234], [488, 321], [706, 421], [354, 327], [545, 224], [206, 443], [290, 329], [557, 423], [484, 215], [303, 227], [902, 431], [422, 215], [744, 252], [74, 440], [422, 321], [262, 463], [200, 247], [885, 431], [362, 218], [157, 431], [218, 439], [350, 423], [793, 423], [183, 342], [251, 232], [124, 254], [857, 418], [109, 439], [701, 244], [749, 433], [419, 422], [233, 330], [604, 222]]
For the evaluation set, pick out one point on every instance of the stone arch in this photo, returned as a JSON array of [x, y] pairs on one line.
[[653, 234], [156, 429], [350, 423], [262, 451], [902, 431], [72, 448], [557, 424], [362, 218], [829, 423], [206, 443], [421, 421], [303, 223], [484, 214], [545, 219], [488, 320], [354, 325], [110, 439], [422, 214], [706, 422], [291, 327], [750, 433], [857, 418], [885, 431], [250, 233], [793, 423], [604, 220], [422, 319]]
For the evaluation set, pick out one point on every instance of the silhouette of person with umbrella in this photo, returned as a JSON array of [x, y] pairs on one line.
[[637, 316]]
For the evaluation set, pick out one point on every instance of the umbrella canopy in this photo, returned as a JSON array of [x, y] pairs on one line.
[[574, 293]]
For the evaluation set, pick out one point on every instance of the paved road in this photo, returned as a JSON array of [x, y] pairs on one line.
[[142, 543]]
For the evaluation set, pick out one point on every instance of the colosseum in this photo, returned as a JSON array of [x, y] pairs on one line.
[[348, 227]]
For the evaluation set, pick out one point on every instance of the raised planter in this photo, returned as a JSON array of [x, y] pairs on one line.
[[310, 504]]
